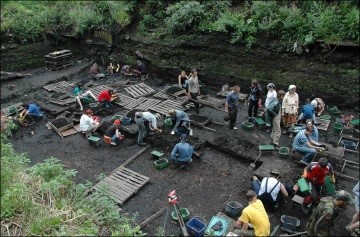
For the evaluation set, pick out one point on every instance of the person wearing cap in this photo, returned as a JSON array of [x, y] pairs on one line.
[[231, 106], [193, 90], [271, 99], [182, 152], [146, 122], [307, 112], [318, 105], [89, 123], [105, 97], [112, 134], [79, 94], [322, 219], [315, 174], [290, 108], [181, 121], [304, 144], [275, 112], [140, 69], [255, 215], [270, 190], [254, 99], [354, 224]]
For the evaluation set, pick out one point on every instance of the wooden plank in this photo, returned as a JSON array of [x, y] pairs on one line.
[[116, 188], [69, 132], [148, 104], [58, 86], [135, 174], [129, 179], [134, 103], [133, 157], [98, 89], [120, 184], [124, 184], [139, 90]]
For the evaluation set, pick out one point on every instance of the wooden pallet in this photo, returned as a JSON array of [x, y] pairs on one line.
[[98, 89], [139, 90], [165, 106], [324, 124], [57, 87], [148, 103], [60, 67], [124, 100], [122, 184], [18, 107], [135, 103]]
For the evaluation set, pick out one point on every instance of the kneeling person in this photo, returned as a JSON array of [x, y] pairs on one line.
[[113, 134], [182, 152]]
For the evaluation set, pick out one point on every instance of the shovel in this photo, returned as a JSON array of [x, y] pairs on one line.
[[252, 165]]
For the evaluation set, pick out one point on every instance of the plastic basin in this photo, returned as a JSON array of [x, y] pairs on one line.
[[157, 154], [247, 125], [196, 227], [289, 222], [284, 152], [161, 164], [348, 144], [185, 214], [233, 208]]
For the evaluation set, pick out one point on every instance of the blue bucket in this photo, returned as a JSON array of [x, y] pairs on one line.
[[348, 145], [125, 120]]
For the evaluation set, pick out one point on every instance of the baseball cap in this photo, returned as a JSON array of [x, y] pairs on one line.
[[117, 121], [344, 196]]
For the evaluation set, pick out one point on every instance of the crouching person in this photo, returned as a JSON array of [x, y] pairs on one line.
[[88, 122], [30, 114], [112, 134], [182, 153]]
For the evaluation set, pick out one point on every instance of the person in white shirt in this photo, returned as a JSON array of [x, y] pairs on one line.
[[270, 100], [146, 122], [193, 90], [89, 123]]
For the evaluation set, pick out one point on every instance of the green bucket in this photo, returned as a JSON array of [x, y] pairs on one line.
[[168, 123]]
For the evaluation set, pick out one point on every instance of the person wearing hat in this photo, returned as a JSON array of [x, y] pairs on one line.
[[112, 134], [79, 94], [290, 108], [322, 219], [181, 121], [255, 215], [89, 123], [270, 190], [106, 96], [304, 144], [146, 122], [271, 99], [182, 152]]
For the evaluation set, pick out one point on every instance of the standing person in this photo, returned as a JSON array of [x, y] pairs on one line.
[[183, 80], [182, 152], [290, 108], [79, 94], [276, 129], [304, 144], [319, 106], [315, 174], [307, 112], [105, 97], [31, 113], [146, 122], [182, 122], [193, 90], [255, 99], [354, 224], [231, 106], [271, 98], [270, 190], [255, 215], [112, 134], [323, 217], [88, 123]]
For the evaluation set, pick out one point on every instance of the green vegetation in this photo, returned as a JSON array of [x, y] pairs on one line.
[[291, 21], [43, 200]]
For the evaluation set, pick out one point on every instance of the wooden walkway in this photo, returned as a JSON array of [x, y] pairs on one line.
[[58, 86], [122, 183], [139, 90], [97, 90], [147, 104], [165, 106]]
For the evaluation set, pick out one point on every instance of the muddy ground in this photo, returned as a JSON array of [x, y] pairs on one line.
[[203, 188]]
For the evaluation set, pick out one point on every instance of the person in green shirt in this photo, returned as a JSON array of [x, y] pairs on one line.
[[79, 94]]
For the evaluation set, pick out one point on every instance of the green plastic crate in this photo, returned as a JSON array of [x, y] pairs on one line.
[[260, 122], [334, 111], [184, 212], [337, 127], [330, 188], [325, 117], [284, 152], [247, 126], [161, 164], [304, 186], [157, 154]]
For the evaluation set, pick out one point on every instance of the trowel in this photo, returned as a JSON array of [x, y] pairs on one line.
[[253, 165]]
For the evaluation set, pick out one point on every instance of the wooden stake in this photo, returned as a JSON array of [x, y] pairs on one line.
[[153, 217], [133, 157]]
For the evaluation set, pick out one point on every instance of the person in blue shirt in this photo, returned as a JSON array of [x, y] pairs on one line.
[[307, 112], [182, 152], [31, 113], [304, 144], [182, 122], [231, 106]]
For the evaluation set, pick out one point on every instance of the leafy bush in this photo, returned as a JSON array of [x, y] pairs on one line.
[[265, 15]]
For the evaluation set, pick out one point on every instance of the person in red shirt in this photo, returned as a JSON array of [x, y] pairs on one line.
[[315, 174], [105, 97]]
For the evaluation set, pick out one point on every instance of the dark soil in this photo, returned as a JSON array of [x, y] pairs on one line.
[[222, 173]]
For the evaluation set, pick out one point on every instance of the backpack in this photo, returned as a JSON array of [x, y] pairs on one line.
[[276, 108], [266, 197]]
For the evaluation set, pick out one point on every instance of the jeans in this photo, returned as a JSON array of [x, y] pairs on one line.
[[308, 153], [232, 117], [142, 130], [194, 97], [253, 105]]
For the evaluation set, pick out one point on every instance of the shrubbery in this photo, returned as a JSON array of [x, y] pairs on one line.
[[43, 200]]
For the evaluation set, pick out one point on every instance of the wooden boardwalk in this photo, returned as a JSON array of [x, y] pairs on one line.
[[122, 183], [165, 106], [139, 90], [147, 104], [97, 90], [58, 86]]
